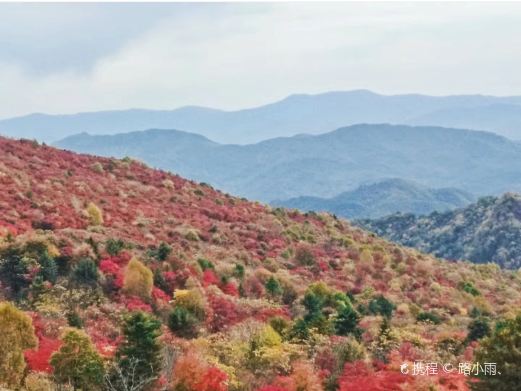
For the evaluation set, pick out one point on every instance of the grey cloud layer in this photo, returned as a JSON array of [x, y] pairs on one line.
[[63, 58]]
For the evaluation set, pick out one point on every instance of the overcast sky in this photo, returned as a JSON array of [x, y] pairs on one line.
[[64, 58]]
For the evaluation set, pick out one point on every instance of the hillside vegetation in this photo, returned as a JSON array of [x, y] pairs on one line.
[[116, 276], [487, 231], [382, 199], [325, 165]]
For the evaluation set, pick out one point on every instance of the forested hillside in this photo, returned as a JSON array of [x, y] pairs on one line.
[[116, 276], [487, 231]]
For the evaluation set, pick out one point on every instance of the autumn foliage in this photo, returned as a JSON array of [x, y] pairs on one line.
[[238, 295], [192, 373], [138, 279], [17, 334]]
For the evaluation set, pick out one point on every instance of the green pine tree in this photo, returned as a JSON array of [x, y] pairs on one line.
[[346, 321], [86, 272], [48, 269], [273, 287], [141, 332]]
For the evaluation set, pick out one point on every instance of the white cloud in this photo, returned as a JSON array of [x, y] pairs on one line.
[[232, 56]]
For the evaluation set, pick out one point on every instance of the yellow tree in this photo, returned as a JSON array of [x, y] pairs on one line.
[[16, 335], [95, 214], [366, 258], [139, 279]]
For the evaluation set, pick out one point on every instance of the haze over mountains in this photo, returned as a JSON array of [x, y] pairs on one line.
[[382, 199], [313, 114], [325, 165]]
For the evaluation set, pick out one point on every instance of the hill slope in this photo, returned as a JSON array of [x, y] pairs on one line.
[[383, 198], [258, 291], [328, 164], [489, 230], [293, 115]]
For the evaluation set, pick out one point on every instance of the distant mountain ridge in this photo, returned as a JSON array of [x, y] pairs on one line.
[[325, 165], [300, 113], [487, 231], [383, 198]]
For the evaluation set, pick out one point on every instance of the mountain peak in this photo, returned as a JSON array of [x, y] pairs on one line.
[[297, 113], [284, 168], [383, 198]]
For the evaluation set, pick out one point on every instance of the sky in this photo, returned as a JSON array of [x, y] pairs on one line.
[[67, 58]]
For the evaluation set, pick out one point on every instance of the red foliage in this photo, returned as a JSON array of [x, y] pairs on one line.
[[224, 313], [209, 278], [44, 164], [107, 266], [169, 276], [266, 313], [212, 380], [253, 287], [469, 351], [104, 334], [7, 229], [107, 348], [38, 359], [323, 266], [111, 267], [134, 303], [326, 357], [122, 258], [451, 382], [174, 280], [408, 352], [277, 243], [231, 289], [191, 372], [118, 281], [250, 244], [303, 377], [160, 295], [358, 376]]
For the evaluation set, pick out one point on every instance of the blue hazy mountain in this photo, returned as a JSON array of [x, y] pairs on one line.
[[312, 114], [382, 199], [488, 117], [325, 165]]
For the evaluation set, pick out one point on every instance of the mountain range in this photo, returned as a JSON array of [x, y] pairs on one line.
[[489, 230], [324, 165], [383, 198], [301, 113], [106, 262]]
